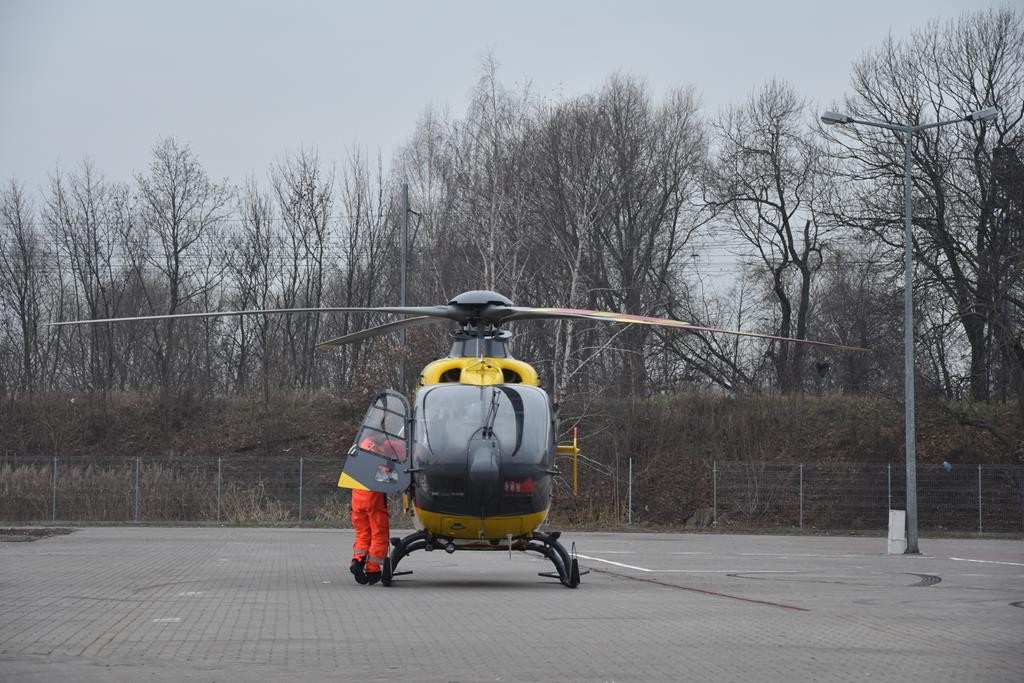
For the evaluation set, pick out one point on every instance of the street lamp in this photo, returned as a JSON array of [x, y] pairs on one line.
[[836, 118]]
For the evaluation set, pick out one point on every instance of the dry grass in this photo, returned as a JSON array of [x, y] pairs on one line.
[[674, 441]]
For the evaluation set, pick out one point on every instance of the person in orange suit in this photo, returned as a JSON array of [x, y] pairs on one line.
[[370, 517]]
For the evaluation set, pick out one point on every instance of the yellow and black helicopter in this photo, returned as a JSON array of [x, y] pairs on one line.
[[481, 435]]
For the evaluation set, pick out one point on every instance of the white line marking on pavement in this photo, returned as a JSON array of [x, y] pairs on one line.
[[732, 571], [615, 552], [617, 564], [167, 620], [788, 555], [689, 571], [691, 552], [964, 559]]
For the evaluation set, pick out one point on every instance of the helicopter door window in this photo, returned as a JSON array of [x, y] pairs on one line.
[[381, 444], [383, 429]]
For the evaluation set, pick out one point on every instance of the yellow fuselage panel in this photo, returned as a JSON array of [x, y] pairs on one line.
[[479, 371], [488, 528]]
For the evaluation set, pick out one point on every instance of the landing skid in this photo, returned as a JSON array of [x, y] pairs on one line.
[[567, 567]]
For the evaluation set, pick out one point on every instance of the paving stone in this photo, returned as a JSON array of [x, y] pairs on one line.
[[127, 603]]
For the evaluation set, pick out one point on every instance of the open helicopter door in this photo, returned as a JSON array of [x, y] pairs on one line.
[[377, 459]]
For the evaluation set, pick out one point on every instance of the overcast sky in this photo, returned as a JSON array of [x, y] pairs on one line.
[[245, 82]]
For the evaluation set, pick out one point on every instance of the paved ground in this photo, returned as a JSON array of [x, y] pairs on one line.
[[129, 604]]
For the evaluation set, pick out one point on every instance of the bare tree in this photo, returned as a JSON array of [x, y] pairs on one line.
[[858, 298], [735, 364], [571, 190], [89, 219], [429, 163], [615, 175], [304, 191], [490, 198], [767, 177], [254, 271], [1008, 297], [23, 273], [962, 245], [182, 210], [655, 161]]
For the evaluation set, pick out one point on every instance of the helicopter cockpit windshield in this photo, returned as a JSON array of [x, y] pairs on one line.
[[449, 416]]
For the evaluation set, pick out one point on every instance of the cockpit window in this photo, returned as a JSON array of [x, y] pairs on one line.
[[449, 416]]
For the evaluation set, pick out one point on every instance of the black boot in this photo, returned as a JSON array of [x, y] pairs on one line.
[[372, 577], [357, 570]]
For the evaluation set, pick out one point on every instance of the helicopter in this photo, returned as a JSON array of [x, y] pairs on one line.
[[475, 452]]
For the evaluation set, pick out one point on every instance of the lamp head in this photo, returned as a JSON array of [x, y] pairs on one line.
[[832, 118], [986, 114]]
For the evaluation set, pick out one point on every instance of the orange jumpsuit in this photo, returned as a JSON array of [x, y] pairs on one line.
[[370, 514], [373, 530]]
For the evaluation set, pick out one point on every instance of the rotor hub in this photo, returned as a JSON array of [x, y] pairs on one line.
[[480, 298]]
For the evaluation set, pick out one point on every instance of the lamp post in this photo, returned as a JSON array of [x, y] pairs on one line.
[[834, 118]]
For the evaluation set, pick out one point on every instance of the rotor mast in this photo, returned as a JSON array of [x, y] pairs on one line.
[[481, 340]]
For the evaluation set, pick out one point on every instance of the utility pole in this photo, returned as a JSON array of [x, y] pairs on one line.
[[402, 266], [907, 132]]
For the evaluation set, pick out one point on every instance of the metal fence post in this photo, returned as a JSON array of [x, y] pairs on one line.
[[888, 481], [135, 506], [629, 495], [979, 499], [219, 477], [53, 516], [714, 492], [801, 495], [300, 491]]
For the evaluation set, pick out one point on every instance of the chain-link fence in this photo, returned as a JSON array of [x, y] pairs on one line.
[[234, 490], [858, 496], [267, 490]]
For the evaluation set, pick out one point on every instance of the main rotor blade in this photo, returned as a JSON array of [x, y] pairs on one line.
[[524, 313], [374, 331], [429, 311]]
